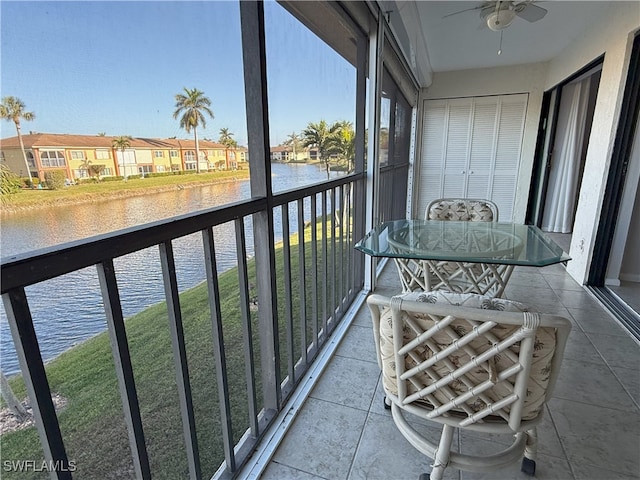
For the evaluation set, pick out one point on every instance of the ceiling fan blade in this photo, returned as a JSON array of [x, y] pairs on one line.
[[530, 12]]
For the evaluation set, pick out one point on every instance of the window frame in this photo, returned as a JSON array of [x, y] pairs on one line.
[[60, 160]]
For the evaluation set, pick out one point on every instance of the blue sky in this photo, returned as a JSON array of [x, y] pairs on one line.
[[115, 67]]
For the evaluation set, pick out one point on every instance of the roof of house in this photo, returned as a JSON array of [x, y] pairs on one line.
[[44, 140], [281, 149]]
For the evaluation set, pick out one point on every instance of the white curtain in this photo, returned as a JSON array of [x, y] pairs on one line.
[[565, 167]]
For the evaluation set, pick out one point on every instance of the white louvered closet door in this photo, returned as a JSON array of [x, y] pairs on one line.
[[471, 148]]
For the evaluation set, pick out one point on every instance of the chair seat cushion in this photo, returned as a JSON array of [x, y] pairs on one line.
[[543, 351]]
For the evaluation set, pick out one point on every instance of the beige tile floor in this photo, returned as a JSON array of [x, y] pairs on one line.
[[591, 430]]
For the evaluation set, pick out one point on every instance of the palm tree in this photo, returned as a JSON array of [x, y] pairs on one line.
[[122, 143], [10, 183], [86, 165], [226, 139], [320, 136], [12, 108], [193, 105], [293, 140], [344, 142]]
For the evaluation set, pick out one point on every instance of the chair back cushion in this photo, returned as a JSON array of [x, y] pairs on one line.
[[416, 323], [461, 210]]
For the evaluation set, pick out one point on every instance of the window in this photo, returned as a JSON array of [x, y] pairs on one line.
[[393, 153], [81, 173], [52, 158], [173, 153], [312, 88], [144, 169], [102, 154], [190, 160], [30, 159], [77, 155], [160, 168], [158, 154]]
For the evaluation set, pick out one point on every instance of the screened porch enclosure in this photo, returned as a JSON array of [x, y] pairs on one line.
[[211, 382], [190, 386]]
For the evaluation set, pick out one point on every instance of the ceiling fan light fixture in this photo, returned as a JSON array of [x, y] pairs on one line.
[[500, 19]]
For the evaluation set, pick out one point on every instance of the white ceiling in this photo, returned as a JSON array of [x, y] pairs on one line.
[[464, 41]]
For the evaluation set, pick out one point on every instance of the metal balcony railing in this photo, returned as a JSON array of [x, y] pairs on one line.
[[311, 277]]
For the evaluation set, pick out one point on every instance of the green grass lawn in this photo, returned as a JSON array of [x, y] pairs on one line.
[[33, 197], [92, 423]]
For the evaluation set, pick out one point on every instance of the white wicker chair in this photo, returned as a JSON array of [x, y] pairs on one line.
[[467, 361], [462, 277]]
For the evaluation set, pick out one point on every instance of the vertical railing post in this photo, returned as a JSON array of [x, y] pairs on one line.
[[315, 307], [180, 359], [219, 355], [302, 281], [124, 368], [35, 379], [325, 265], [249, 362], [288, 297]]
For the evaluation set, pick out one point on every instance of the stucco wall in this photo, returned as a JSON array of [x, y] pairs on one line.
[[144, 156], [15, 161], [613, 37], [499, 81]]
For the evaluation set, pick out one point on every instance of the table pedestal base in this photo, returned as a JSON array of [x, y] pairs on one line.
[[462, 277]]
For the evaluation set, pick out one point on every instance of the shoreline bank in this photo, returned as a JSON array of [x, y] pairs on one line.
[[10, 208]]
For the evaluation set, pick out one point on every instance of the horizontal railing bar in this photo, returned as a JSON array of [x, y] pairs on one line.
[[288, 196], [29, 268]]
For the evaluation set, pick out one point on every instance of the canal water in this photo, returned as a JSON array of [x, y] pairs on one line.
[[67, 310]]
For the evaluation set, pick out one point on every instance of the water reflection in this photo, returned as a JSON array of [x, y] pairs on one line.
[[68, 309]]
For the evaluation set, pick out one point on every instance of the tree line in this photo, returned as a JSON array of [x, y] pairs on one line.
[[335, 143]]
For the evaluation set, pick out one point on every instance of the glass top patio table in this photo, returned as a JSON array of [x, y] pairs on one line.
[[473, 242]]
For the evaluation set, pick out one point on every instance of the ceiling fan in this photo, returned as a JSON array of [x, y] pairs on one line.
[[499, 14]]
